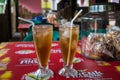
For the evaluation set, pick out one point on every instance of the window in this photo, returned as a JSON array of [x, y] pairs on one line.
[[2, 6]]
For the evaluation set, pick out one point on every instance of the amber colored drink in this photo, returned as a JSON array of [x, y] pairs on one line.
[[65, 40], [42, 36]]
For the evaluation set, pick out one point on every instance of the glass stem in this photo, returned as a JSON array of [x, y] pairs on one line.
[[69, 66], [44, 67]]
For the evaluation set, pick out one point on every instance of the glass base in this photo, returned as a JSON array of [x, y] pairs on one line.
[[40, 74], [44, 73], [68, 71]]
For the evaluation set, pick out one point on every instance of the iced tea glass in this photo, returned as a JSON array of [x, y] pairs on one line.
[[42, 36], [68, 51]]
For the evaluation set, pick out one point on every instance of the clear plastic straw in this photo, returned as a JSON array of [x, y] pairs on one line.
[[26, 20], [68, 57]]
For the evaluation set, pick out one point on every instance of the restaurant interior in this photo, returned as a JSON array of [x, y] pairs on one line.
[[38, 11], [59, 39]]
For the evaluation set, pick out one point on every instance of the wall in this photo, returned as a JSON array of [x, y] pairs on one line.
[[5, 24]]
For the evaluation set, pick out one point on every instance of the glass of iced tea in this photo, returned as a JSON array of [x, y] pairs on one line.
[[42, 36], [68, 45]]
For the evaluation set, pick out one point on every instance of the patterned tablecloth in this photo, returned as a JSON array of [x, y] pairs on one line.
[[18, 59]]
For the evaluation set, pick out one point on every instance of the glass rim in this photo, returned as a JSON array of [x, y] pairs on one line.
[[43, 28], [74, 26], [43, 25]]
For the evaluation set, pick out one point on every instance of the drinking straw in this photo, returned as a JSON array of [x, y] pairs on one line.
[[23, 19], [76, 17], [68, 57]]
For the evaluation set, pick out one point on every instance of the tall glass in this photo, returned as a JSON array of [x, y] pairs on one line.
[[42, 35], [68, 45]]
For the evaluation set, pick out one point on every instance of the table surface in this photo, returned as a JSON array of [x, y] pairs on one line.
[[18, 59]]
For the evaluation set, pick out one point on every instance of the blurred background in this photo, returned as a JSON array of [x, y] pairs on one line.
[[38, 11]]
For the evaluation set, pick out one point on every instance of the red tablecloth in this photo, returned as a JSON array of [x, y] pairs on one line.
[[18, 59]]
